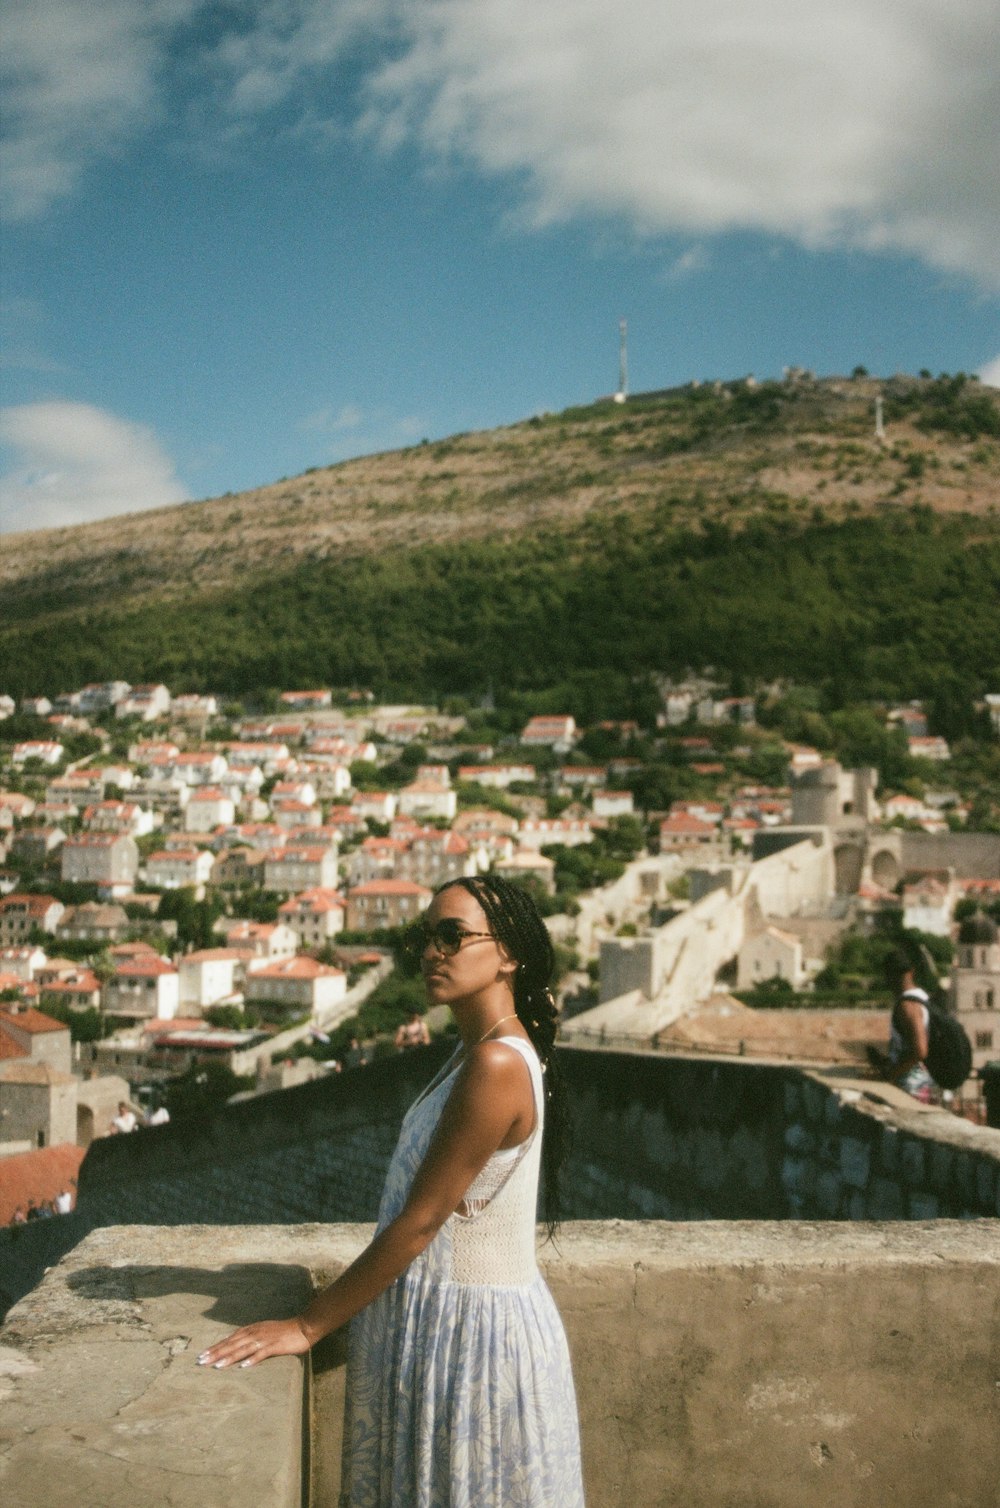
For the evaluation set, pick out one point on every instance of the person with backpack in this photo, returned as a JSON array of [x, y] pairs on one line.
[[929, 1050], [909, 1042]]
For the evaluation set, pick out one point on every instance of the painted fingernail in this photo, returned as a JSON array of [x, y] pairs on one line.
[[218, 1364], [246, 1363]]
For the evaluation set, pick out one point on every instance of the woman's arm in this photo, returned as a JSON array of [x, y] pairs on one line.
[[491, 1102]]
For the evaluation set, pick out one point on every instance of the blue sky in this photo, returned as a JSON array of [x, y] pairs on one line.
[[241, 239]]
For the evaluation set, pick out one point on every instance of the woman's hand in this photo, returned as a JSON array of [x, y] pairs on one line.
[[253, 1343]]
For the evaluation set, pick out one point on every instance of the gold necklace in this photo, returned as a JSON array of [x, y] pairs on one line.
[[486, 1033]]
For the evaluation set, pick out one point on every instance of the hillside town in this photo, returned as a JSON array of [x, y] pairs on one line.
[[201, 897]]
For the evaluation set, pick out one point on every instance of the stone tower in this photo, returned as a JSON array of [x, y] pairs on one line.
[[975, 985]]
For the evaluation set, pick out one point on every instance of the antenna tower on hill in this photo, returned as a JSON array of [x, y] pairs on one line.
[[622, 392]]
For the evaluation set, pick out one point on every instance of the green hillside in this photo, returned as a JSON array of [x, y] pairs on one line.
[[764, 532]]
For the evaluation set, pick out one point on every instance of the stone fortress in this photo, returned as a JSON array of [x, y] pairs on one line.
[[803, 882], [779, 1282]]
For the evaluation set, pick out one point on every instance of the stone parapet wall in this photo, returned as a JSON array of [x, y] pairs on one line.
[[759, 1364], [867, 1153], [671, 1138], [658, 1136]]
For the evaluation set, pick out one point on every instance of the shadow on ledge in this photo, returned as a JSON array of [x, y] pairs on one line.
[[758, 1364]]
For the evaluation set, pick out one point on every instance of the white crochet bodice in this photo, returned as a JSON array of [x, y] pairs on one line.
[[494, 1241]]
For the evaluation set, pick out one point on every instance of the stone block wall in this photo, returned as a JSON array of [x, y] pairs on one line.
[[315, 1152], [670, 1138], [658, 1137], [848, 1156], [666, 1138]]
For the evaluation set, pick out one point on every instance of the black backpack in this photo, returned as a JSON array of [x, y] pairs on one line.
[[949, 1051]]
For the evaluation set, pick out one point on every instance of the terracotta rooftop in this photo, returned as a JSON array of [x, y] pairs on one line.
[[31, 1020], [38, 1176]]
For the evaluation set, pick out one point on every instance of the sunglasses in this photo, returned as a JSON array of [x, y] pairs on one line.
[[445, 936]]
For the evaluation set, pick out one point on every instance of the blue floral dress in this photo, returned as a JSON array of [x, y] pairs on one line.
[[459, 1389]]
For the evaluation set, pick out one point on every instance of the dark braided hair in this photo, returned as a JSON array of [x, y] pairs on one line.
[[516, 923]]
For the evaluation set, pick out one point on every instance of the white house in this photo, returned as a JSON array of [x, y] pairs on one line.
[[143, 987], [928, 904], [199, 768], [423, 799], [497, 776], [308, 700], [975, 986], [771, 954], [265, 753], [177, 868], [299, 984], [385, 903], [191, 705], [45, 749], [20, 915], [145, 702], [528, 863], [380, 806], [208, 808], [557, 733], [290, 814], [294, 790], [613, 804], [100, 695], [539, 832], [36, 706], [120, 817], [300, 867], [108, 860], [262, 939], [929, 747], [431, 856], [315, 916], [209, 976]]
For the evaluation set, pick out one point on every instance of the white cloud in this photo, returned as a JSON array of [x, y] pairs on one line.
[[82, 79], [990, 373], [72, 463], [868, 123], [79, 79], [695, 259], [329, 420]]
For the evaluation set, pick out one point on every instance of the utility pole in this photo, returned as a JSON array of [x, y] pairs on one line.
[[622, 392]]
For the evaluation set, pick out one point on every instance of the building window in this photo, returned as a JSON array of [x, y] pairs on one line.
[[984, 1039]]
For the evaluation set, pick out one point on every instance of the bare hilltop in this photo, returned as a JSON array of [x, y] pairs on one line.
[[731, 450], [711, 461]]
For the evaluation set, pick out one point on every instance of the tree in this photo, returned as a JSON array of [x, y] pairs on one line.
[[202, 1090]]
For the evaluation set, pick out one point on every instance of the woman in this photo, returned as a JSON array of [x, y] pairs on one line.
[[459, 1391]]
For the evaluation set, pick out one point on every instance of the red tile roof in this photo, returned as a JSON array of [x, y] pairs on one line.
[[299, 967], [143, 967], [37, 1176], [31, 1020]]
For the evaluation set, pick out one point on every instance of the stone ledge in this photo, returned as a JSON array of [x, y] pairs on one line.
[[797, 1365], [103, 1403]]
